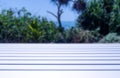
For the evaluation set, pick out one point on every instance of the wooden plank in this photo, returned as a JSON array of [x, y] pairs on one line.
[[61, 60]]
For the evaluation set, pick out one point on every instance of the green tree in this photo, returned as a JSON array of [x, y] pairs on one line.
[[19, 26], [102, 15], [78, 5], [59, 4]]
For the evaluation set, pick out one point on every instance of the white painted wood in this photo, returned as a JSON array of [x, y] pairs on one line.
[[59, 60]]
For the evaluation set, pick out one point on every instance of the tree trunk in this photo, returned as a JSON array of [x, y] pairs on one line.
[[104, 29], [59, 22], [59, 13]]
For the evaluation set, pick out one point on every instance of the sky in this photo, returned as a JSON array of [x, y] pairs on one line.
[[39, 7]]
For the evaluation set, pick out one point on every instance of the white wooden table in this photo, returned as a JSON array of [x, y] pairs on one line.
[[59, 61]]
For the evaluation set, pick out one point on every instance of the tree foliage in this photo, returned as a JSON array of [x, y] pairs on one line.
[[103, 15], [99, 21], [21, 26], [62, 2], [59, 4], [78, 5]]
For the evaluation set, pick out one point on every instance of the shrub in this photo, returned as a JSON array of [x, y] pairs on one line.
[[111, 38], [76, 35], [21, 26]]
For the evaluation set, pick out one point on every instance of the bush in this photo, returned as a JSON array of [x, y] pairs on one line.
[[111, 38], [76, 35], [21, 26]]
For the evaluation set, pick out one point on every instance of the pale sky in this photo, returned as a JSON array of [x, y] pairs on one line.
[[39, 7]]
